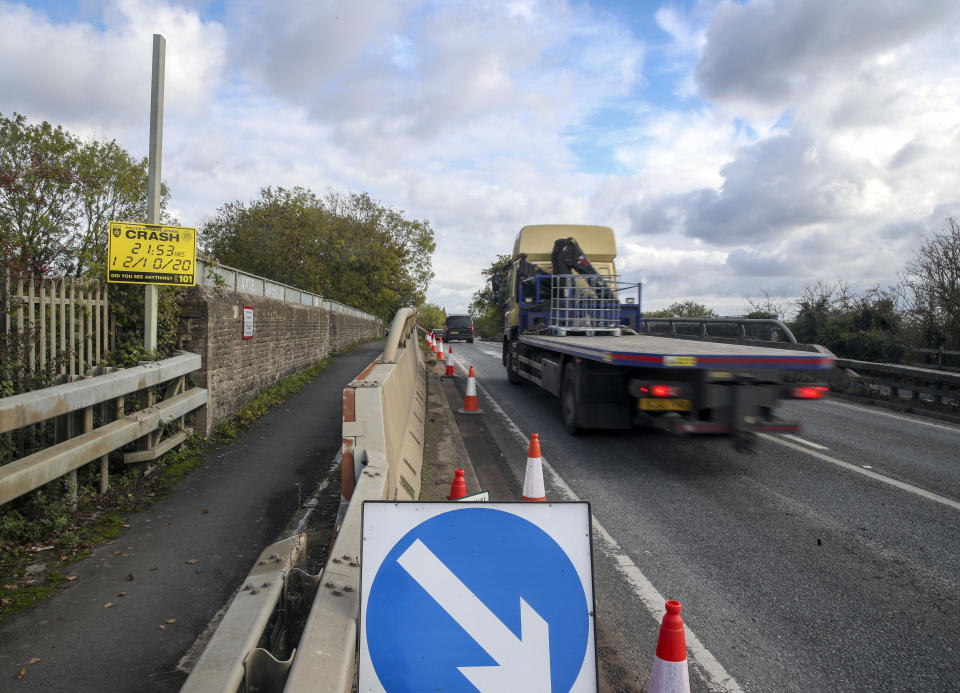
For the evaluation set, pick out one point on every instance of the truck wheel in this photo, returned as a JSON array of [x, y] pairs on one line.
[[570, 400], [513, 363]]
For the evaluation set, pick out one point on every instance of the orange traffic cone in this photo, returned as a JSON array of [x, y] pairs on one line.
[[458, 489], [470, 400], [433, 344], [670, 673], [533, 478], [440, 356], [450, 372]]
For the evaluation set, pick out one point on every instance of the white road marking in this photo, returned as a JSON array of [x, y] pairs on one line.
[[900, 417], [805, 442], [903, 486], [716, 677]]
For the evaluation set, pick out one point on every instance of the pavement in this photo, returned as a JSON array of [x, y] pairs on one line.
[[139, 603]]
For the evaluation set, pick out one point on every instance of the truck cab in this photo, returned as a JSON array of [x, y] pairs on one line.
[[531, 266]]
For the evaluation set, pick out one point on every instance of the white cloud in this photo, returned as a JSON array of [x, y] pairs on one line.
[[819, 146], [96, 81]]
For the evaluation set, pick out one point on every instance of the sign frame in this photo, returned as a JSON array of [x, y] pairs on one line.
[[151, 254], [570, 530], [247, 312]]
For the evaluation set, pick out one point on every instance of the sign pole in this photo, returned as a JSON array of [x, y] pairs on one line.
[[151, 292]]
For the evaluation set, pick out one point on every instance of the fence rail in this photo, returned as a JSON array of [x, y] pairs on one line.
[[64, 322], [768, 332], [942, 387], [75, 407], [216, 275]]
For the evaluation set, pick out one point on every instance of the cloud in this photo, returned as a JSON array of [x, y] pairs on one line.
[[805, 41], [97, 78], [728, 159], [771, 189]]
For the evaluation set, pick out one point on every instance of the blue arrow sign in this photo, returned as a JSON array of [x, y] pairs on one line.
[[478, 599]]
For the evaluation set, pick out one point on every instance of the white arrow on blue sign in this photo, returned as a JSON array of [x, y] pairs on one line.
[[493, 599]]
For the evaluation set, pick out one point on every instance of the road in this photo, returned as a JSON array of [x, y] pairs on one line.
[[825, 561]]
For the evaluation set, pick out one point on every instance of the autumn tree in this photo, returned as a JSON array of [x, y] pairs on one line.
[[431, 316], [348, 248], [57, 195], [38, 184]]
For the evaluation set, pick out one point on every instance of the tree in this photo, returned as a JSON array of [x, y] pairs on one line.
[[867, 327], [683, 309], [765, 307], [431, 316], [57, 195], [487, 307], [933, 280], [111, 186], [38, 185], [348, 248]]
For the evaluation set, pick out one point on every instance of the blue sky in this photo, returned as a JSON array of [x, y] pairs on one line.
[[737, 148]]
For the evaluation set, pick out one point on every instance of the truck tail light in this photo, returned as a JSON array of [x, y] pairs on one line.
[[662, 390], [809, 392]]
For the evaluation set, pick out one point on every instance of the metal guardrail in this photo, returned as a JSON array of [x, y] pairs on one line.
[[939, 353], [384, 411], [942, 387], [216, 275], [758, 331], [79, 443]]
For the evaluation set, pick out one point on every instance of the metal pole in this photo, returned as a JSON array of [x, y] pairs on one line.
[[153, 182]]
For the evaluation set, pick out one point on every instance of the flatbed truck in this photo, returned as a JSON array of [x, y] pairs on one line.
[[572, 328]]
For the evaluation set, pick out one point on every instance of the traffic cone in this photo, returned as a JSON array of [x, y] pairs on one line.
[[470, 400], [440, 356], [450, 372], [458, 489], [670, 673], [533, 478], [433, 344]]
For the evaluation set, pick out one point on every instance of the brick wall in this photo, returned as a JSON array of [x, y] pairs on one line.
[[287, 338]]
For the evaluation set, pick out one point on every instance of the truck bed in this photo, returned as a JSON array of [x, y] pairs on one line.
[[669, 352]]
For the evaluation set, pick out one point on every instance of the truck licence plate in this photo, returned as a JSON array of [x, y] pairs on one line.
[[648, 404]]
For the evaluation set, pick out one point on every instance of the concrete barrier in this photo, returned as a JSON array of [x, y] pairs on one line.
[[384, 411]]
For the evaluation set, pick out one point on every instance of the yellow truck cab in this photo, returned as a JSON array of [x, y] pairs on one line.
[[535, 243]]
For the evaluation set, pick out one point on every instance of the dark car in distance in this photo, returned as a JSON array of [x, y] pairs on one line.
[[458, 327]]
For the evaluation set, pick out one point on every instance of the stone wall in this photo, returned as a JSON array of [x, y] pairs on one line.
[[287, 338]]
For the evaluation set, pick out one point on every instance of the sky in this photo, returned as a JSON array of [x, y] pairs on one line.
[[738, 149]]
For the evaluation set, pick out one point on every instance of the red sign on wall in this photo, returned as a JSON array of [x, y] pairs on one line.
[[248, 322]]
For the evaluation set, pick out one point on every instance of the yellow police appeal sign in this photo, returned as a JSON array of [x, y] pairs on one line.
[[151, 254]]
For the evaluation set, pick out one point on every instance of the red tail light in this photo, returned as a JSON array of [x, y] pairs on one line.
[[809, 392], [662, 390]]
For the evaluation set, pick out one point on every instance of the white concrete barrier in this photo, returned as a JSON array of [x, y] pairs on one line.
[[383, 423]]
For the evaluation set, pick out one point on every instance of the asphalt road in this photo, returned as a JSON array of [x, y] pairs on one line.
[[182, 558], [828, 561]]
